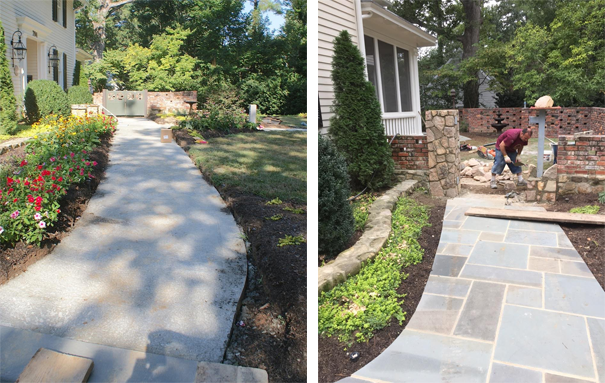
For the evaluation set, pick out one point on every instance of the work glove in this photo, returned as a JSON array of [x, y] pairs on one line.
[[507, 160]]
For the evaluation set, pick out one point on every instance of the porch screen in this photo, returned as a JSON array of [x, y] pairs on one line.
[[388, 80], [371, 62], [403, 64]]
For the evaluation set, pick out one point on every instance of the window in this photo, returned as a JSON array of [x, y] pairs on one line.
[[55, 6], [64, 13], [389, 71], [64, 72]]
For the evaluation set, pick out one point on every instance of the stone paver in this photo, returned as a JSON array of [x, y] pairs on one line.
[[528, 309], [479, 318], [156, 264]]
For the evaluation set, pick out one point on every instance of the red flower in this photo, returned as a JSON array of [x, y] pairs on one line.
[[15, 200], [58, 210], [38, 208], [9, 181], [39, 167]]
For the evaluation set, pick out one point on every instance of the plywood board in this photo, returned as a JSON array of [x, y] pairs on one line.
[[543, 216], [51, 366]]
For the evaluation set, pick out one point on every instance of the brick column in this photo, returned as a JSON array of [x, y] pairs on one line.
[[444, 152]]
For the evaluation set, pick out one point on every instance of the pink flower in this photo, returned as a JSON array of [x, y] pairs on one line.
[[37, 216], [1, 230], [52, 159], [15, 214], [41, 224]]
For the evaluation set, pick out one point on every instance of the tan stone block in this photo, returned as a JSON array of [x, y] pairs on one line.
[[433, 175], [551, 186], [436, 189], [550, 197], [452, 143], [530, 195], [434, 112], [439, 122], [451, 193], [452, 112], [450, 158], [562, 178], [444, 142], [430, 136], [443, 113], [429, 124], [448, 130], [432, 160], [440, 158], [540, 185], [584, 188], [449, 121], [441, 150], [437, 132]]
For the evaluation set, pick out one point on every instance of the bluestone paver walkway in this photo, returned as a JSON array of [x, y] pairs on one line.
[[156, 264], [506, 301]]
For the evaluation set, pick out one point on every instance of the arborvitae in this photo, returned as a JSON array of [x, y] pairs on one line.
[[8, 108], [336, 222], [356, 127]]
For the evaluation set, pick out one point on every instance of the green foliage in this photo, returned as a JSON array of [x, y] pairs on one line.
[[289, 240], [602, 197], [356, 126], [45, 97], [336, 221], [79, 94], [275, 217], [294, 210], [268, 93], [586, 209], [8, 108], [369, 300], [361, 209], [274, 201]]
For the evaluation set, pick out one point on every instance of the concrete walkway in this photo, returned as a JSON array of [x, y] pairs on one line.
[[156, 264], [506, 301]]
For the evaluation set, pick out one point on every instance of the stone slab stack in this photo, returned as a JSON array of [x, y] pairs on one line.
[[444, 152]]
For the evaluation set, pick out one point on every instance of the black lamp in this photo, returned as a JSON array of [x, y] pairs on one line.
[[18, 48], [53, 57]]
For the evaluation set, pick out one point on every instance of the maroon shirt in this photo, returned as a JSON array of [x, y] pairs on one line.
[[512, 140]]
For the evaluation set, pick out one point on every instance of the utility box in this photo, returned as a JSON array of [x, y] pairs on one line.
[[166, 136], [252, 114]]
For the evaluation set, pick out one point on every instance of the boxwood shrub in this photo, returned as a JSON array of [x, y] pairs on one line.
[[45, 97], [336, 222], [79, 95]]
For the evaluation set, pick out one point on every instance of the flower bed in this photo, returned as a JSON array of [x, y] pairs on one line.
[[30, 190]]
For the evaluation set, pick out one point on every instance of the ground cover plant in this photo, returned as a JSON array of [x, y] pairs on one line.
[[368, 301], [361, 209], [588, 209], [262, 178], [31, 189]]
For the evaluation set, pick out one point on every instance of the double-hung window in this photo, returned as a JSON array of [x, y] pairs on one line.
[[389, 71], [59, 12]]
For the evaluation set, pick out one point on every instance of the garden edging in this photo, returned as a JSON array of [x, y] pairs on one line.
[[377, 231], [12, 144]]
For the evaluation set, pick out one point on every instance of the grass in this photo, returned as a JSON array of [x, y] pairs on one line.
[[367, 301], [293, 120], [528, 156], [361, 209], [269, 164], [23, 130]]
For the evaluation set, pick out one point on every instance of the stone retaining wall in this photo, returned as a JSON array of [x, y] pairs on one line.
[[377, 231], [443, 152], [558, 121], [581, 164], [162, 102]]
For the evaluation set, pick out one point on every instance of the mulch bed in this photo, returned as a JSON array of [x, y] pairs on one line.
[[589, 240], [334, 362], [14, 261], [273, 335]]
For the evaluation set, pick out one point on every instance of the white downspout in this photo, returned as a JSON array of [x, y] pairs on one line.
[[360, 38]]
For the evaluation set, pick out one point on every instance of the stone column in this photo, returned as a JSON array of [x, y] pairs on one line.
[[443, 140]]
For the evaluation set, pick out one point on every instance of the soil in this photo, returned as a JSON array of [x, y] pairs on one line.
[[271, 328], [15, 260], [334, 362], [589, 240]]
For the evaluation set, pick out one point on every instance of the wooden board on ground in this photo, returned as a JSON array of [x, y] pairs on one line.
[[543, 216], [51, 366]]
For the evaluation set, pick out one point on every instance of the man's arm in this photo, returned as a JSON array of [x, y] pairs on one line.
[[503, 150]]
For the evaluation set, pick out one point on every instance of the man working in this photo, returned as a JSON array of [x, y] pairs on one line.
[[508, 149]]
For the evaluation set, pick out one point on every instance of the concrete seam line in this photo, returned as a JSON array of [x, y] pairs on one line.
[[330, 272]]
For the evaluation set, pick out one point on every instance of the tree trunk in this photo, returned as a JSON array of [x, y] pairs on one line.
[[98, 22], [470, 39]]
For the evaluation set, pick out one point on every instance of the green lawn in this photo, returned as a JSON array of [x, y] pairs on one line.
[[528, 156], [23, 131], [268, 164], [293, 120]]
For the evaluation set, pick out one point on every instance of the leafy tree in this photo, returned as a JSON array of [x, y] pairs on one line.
[[336, 222], [356, 126], [8, 109]]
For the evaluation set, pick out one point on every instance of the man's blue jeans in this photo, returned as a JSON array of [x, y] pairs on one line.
[[499, 163]]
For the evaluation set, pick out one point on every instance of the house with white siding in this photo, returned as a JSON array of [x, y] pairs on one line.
[[389, 45], [46, 29]]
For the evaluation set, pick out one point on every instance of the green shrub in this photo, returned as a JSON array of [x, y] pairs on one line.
[[8, 108], [79, 95], [356, 126], [268, 93], [336, 223], [45, 97], [602, 197], [586, 209]]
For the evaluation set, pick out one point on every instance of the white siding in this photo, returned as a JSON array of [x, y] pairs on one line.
[[333, 17], [41, 12]]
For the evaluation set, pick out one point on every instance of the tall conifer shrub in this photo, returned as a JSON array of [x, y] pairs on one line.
[[356, 127], [8, 108]]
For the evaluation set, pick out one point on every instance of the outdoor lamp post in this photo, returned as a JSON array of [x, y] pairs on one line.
[[53, 57], [19, 49], [453, 96]]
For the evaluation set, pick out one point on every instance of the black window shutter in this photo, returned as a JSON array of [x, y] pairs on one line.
[[64, 13], [56, 74], [55, 6], [64, 72]]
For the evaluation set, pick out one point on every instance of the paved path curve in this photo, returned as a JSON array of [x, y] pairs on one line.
[[156, 264], [506, 301]]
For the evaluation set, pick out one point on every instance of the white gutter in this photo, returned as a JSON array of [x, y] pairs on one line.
[[360, 39]]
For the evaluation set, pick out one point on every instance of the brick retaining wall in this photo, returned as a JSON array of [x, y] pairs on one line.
[[558, 121], [410, 152]]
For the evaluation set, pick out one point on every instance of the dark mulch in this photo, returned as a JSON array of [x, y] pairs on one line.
[[274, 307], [589, 240], [334, 362], [14, 261]]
